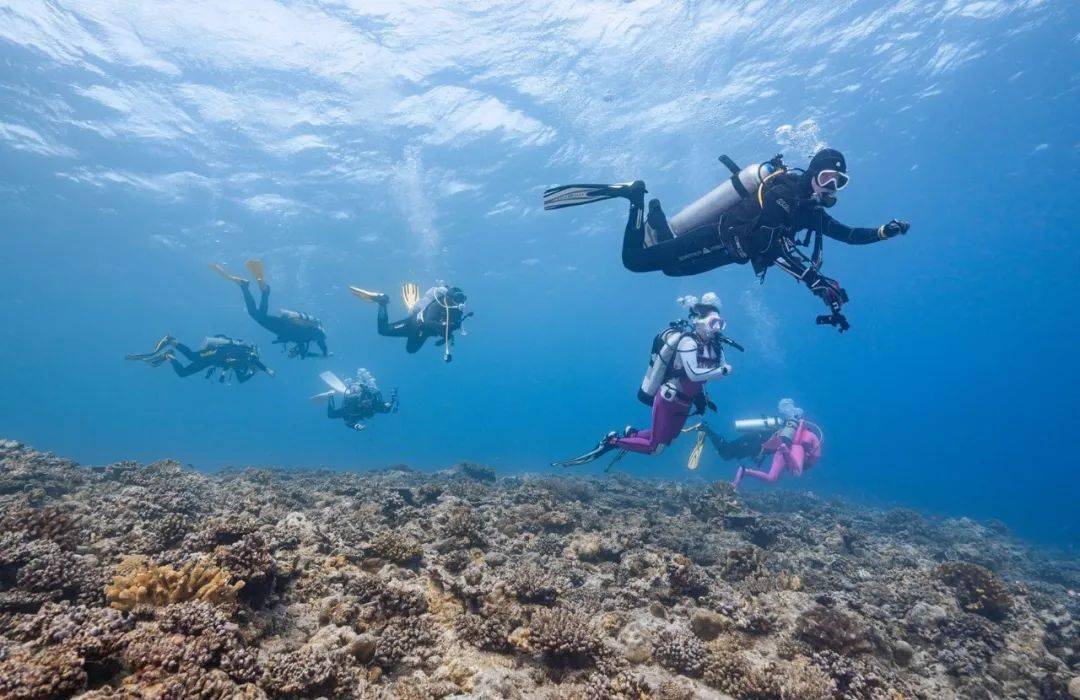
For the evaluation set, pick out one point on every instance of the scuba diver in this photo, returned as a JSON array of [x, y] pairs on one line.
[[794, 443], [685, 355], [219, 352], [438, 313], [752, 217], [295, 331], [360, 398]]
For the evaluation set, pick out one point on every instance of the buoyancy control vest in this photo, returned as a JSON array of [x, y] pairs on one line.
[[662, 360], [735, 209], [301, 319]]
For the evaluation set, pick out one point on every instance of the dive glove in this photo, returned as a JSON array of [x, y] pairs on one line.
[[894, 228]]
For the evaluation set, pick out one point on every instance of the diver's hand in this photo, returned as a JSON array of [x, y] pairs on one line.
[[830, 292], [270, 372], [725, 369], [896, 227]]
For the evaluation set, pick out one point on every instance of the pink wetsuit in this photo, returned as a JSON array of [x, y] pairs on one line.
[[804, 451]]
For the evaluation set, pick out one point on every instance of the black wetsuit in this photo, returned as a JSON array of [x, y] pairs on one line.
[[748, 232], [299, 329], [228, 356], [426, 323], [359, 406]]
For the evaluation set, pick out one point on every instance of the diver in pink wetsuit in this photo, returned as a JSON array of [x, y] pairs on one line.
[[685, 356], [795, 447]]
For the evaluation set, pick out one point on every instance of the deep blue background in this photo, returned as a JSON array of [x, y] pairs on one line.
[[954, 392]]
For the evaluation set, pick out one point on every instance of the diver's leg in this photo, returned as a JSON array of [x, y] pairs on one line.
[[197, 365], [777, 468], [187, 352], [264, 299], [669, 254], [249, 301], [404, 328], [415, 342], [646, 441], [794, 458]]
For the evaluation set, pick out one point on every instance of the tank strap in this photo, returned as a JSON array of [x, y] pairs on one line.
[[735, 170]]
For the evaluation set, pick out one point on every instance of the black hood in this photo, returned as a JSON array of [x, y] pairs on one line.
[[827, 159]]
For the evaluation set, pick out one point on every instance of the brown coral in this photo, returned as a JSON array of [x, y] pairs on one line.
[[977, 589], [163, 585]]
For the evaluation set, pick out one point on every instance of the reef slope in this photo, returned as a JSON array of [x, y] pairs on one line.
[[130, 581]]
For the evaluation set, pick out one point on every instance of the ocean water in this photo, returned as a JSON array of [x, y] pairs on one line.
[[374, 143]]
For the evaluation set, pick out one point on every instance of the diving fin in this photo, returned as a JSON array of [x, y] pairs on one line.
[[695, 454], [324, 395], [225, 273], [333, 382], [606, 445], [410, 294], [374, 297], [576, 195], [255, 267]]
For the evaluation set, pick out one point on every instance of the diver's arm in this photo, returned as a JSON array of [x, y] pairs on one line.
[[821, 221], [322, 346], [333, 411], [688, 354], [257, 364], [825, 288]]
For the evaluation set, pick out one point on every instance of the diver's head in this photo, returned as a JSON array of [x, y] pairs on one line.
[[788, 410], [828, 175], [454, 296], [705, 315]]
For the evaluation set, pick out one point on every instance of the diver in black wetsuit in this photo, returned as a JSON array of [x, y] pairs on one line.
[[759, 228], [361, 401], [295, 330], [439, 313], [218, 352]]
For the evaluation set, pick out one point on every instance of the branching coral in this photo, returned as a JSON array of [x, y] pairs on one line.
[[681, 652], [396, 547], [564, 637], [163, 585]]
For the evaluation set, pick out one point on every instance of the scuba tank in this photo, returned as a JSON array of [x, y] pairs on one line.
[[223, 341], [747, 425], [706, 211], [664, 346], [301, 319]]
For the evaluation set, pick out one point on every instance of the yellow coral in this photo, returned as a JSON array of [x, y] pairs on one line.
[[146, 584]]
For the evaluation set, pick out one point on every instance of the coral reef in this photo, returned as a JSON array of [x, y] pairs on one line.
[[126, 581], [147, 584]]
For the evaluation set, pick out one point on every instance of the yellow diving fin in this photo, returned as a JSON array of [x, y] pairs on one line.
[[225, 273], [410, 294], [374, 297], [255, 267], [695, 454]]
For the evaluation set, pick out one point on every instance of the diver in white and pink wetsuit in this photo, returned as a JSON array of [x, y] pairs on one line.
[[685, 356]]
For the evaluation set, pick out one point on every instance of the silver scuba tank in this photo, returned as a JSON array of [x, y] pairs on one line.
[[747, 425], [706, 211], [663, 354]]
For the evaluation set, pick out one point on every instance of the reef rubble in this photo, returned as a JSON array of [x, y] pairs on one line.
[[156, 581]]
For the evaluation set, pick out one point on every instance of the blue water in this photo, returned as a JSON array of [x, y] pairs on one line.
[[376, 143]]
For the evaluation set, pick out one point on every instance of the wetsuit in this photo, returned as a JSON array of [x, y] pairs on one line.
[[746, 446], [429, 321], [357, 406], [695, 363], [795, 447], [747, 232], [290, 326], [221, 353]]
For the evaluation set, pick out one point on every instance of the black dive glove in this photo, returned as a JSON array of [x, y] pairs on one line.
[[896, 227], [834, 296]]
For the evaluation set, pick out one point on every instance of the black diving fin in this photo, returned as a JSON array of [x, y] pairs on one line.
[[576, 195], [606, 445]]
